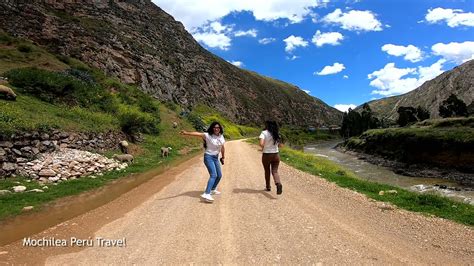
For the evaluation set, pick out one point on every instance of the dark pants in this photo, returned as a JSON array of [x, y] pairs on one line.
[[270, 162]]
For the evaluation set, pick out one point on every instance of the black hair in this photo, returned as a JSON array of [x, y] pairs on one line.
[[272, 127], [210, 131]]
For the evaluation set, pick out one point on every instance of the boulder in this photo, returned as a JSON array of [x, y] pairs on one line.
[[19, 188], [47, 172]]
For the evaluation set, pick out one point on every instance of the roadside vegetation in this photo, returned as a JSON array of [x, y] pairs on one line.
[[201, 116], [427, 204]]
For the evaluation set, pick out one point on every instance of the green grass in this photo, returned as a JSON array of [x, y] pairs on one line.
[[301, 137], [447, 122], [456, 134], [17, 53], [424, 203], [28, 113]]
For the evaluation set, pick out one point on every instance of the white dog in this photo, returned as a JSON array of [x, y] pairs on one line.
[[165, 151]]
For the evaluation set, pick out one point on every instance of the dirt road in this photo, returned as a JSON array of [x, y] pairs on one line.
[[313, 221]]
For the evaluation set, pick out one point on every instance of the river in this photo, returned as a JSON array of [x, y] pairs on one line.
[[385, 175]]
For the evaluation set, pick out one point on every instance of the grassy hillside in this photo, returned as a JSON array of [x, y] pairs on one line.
[[17, 53], [63, 93]]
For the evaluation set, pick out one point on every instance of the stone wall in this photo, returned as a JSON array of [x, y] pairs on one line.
[[18, 149]]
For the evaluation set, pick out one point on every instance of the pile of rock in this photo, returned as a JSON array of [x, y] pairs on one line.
[[23, 147], [65, 164]]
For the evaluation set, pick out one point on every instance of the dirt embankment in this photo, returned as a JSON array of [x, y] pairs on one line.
[[417, 156]]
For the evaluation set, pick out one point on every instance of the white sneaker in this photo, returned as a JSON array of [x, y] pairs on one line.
[[207, 197], [215, 192]]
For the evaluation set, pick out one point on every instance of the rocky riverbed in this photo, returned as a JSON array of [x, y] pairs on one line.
[[415, 170]]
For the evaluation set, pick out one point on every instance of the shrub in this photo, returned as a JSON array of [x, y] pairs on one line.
[[197, 122], [81, 75], [452, 107], [24, 48], [406, 116], [55, 87], [5, 38], [148, 105], [171, 105], [133, 121]]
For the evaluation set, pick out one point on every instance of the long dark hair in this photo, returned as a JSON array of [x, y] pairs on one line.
[[272, 127], [210, 131]]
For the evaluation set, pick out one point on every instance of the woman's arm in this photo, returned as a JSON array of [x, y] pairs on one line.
[[193, 134], [262, 143], [222, 152]]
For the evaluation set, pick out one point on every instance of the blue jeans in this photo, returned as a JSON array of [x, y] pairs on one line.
[[214, 169]]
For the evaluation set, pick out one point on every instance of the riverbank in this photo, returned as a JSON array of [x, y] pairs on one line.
[[428, 204], [442, 148], [415, 169]]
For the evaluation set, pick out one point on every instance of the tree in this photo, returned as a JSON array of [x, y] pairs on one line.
[[422, 113], [470, 109], [406, 116], [351, 124], [452, 107]]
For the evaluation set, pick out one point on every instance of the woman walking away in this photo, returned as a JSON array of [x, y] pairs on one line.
[[269, 141], [214, 144]]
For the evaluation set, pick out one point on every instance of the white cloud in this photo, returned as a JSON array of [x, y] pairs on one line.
[[430, 72], [331, 38], [454, 51], [346, 76], [453, 17], [214, 40], [237, 63], [344, 107], [391, 80], [410, 52], [294, 57], [328, 70], [252, 33], [266, 40], [194, 14], [307, 91], [294, 41], [314, 17], [218, 27], [354, 20], [214, 35]]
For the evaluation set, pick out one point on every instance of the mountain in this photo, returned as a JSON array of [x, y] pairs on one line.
[[459, 81], [140, 44]]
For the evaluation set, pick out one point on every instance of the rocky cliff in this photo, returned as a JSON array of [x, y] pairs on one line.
[[140, 44], [459, 81]]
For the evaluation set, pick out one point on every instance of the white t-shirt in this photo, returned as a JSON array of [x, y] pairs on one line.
[[214, 143], [269, 146]]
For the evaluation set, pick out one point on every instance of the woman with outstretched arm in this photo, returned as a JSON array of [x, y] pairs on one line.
[[214, 144]]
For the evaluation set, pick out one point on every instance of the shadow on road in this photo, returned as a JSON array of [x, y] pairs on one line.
[[254, 191], [192, 194]]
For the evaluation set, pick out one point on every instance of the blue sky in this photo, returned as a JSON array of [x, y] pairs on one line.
[[342, 52]]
